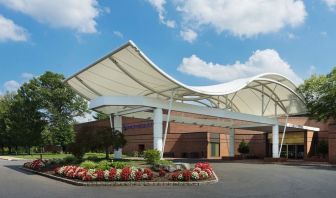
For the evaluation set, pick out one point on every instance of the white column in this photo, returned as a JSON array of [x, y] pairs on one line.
[[118, 126], [157, 129], [275, 139], [232, 142]]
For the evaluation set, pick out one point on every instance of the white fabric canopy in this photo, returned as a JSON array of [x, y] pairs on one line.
[[128, 72]]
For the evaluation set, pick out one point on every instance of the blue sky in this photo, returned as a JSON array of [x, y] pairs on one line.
[[197, 42]]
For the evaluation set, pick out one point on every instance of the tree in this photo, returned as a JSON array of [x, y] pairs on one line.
[[58, 105], [5, 103], [319, 92], [25, 123], [100, 116], [243, 147], [91, 138]]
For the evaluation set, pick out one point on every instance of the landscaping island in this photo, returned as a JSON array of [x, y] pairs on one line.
[[93, 172]]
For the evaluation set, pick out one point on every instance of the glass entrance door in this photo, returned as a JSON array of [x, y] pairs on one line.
[[292, 151]]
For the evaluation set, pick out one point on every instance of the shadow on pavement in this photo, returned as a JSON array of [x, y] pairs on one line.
[[18, 169]]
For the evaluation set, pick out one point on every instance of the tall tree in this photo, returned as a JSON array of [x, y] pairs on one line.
[[320, 93], [5, 137], [57, 103]]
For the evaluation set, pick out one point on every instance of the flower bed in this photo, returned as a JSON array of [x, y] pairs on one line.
[[36, 164], [201, 171], [125, 174]]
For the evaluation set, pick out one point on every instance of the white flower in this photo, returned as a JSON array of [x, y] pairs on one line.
[[106, 174], [194, 175]]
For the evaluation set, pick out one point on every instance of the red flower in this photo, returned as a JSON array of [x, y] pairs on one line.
[[203, 166], [138, 175], [100, 175], [149, 173], [162, 173], [125, 174], [112, 174], [175, 175], [186, 175]]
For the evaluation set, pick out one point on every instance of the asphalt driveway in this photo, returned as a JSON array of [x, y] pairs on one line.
[[236, 180]]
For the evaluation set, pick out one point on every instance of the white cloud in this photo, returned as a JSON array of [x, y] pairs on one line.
[[188, 35], [245, 18], [78, 15], [11, 86], [27, 76], [330, 3], [118, 34], [261, 61], [9, 31], [159, 7]]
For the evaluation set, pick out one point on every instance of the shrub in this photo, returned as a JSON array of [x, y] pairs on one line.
[[151, 156], [118, 165], [323, 148], [93, 158], [163, 162], [104, 165], [77, 150], [88, 164], [70, 160], [243, 147]]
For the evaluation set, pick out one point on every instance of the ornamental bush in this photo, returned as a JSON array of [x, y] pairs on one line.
[[119, 165], [70, 160], [104, 165], [152, 155], [88, 164], [243, 147]]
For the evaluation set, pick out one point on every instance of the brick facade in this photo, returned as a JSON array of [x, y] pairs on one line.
[[192, 140]]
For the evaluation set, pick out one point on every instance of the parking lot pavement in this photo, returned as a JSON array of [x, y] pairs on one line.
[[236, 179]]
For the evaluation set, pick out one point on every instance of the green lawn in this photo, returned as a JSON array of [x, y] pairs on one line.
[[54, 156]]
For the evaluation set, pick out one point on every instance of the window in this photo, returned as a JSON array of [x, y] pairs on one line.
[[214, 149], [214, 144]]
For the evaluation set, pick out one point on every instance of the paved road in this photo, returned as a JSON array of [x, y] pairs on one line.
[[236, 180]]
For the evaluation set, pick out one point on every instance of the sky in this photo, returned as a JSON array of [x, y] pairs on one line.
[[199, 42]]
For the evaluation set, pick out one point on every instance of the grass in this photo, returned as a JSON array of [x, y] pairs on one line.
[[57, 155]]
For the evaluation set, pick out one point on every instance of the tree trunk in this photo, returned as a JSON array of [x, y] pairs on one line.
[[107, 152]]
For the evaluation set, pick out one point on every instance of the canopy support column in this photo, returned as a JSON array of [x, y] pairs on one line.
[[157, 129], [275, 139], [283, 136], [118, 126], [232, 142], [167, 123]]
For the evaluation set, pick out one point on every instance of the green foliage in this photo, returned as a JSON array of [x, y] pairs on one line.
[[319, 92], [88, 164], [164, 162], [77, 150], [323, 147], [118, 165], [104, 165], [41, 112], [70, 160], [100, 116], [103, 138], [243, 147], [93, 158], [152, 155]]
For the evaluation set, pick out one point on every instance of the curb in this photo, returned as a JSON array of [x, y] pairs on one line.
[[12, 159], [127, 183]]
